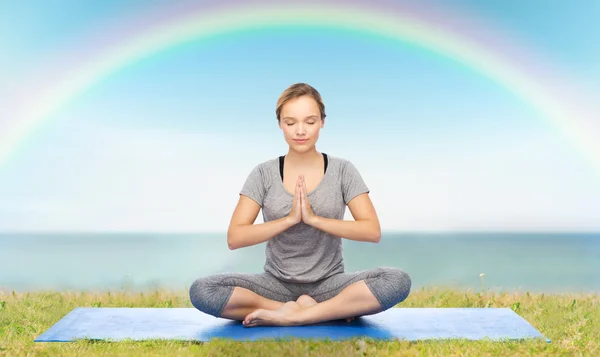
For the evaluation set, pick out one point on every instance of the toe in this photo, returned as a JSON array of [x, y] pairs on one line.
[[248, 319]]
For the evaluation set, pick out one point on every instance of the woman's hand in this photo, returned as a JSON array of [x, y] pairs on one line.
[[295, 215], [308, 216]]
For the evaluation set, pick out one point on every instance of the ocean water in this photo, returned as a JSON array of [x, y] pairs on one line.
[[553, 262]]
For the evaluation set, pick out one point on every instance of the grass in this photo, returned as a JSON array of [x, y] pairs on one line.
[[571, 321]]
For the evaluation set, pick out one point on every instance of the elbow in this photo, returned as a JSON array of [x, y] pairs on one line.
[[376, 235], [230, 240], [230, 245]]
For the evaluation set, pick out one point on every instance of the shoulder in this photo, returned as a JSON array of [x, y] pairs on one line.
[[265, 169], [342, 164], [267, 165]]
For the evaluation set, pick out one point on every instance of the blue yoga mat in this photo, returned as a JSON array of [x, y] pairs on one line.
[[413, 324]]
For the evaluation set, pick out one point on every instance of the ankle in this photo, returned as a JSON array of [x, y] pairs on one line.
[[291, 306]]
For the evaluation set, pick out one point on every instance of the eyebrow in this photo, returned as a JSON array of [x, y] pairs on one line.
[[308, 117]]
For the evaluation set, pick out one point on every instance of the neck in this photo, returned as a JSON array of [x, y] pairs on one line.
[[303, 159]]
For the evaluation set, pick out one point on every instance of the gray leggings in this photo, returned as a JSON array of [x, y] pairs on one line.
[[210, 294]]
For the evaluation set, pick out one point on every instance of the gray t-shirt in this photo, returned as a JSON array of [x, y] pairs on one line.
[[301, 253]]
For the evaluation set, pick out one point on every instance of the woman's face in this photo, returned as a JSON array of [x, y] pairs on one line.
[[301, 119]]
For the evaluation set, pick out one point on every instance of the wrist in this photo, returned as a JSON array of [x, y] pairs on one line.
[[314, 220], [289, 220]]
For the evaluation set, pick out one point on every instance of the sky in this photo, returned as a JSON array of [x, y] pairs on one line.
[[166, 144]]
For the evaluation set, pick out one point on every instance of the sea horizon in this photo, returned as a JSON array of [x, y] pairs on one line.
[[551, 262]]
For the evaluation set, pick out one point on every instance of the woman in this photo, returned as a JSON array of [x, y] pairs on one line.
[[303, 196]]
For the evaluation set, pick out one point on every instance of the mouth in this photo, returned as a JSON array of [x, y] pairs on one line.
[[300, 141]]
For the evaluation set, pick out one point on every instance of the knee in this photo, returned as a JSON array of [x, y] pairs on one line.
[[399, 280], [197, 292], [206, 295]]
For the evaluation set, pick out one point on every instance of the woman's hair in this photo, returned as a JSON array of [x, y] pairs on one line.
[[299, 90]]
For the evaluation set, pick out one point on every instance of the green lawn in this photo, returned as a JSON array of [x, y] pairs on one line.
[[571, 321]]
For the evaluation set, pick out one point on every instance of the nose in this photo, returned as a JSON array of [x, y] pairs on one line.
[[300, 131]]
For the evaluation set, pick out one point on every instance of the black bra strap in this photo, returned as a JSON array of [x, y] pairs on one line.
[[281, 167], [282, 158]]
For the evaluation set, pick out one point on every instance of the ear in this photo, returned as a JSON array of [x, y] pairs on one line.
[[322, 123]]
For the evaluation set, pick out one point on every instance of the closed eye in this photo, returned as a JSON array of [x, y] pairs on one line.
[[293, 124]]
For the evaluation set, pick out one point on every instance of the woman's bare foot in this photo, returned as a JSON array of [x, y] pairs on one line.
[[284, 316], [280, 317]]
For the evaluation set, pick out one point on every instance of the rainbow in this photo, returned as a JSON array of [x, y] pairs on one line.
[[195, 22]]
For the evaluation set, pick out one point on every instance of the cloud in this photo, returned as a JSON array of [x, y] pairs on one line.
[[138, 179], [104, 178]]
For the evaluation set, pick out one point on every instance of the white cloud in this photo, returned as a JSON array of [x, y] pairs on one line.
[[170, 180]]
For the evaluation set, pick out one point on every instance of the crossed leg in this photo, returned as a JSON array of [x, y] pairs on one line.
[[259, 299], [342, 296], [303, 301], [235, 295], [355, 300], [243, 301], [306, 301]]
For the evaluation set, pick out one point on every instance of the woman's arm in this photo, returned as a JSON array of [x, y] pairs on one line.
[[242, 231], [245, 235], [364, 228]]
